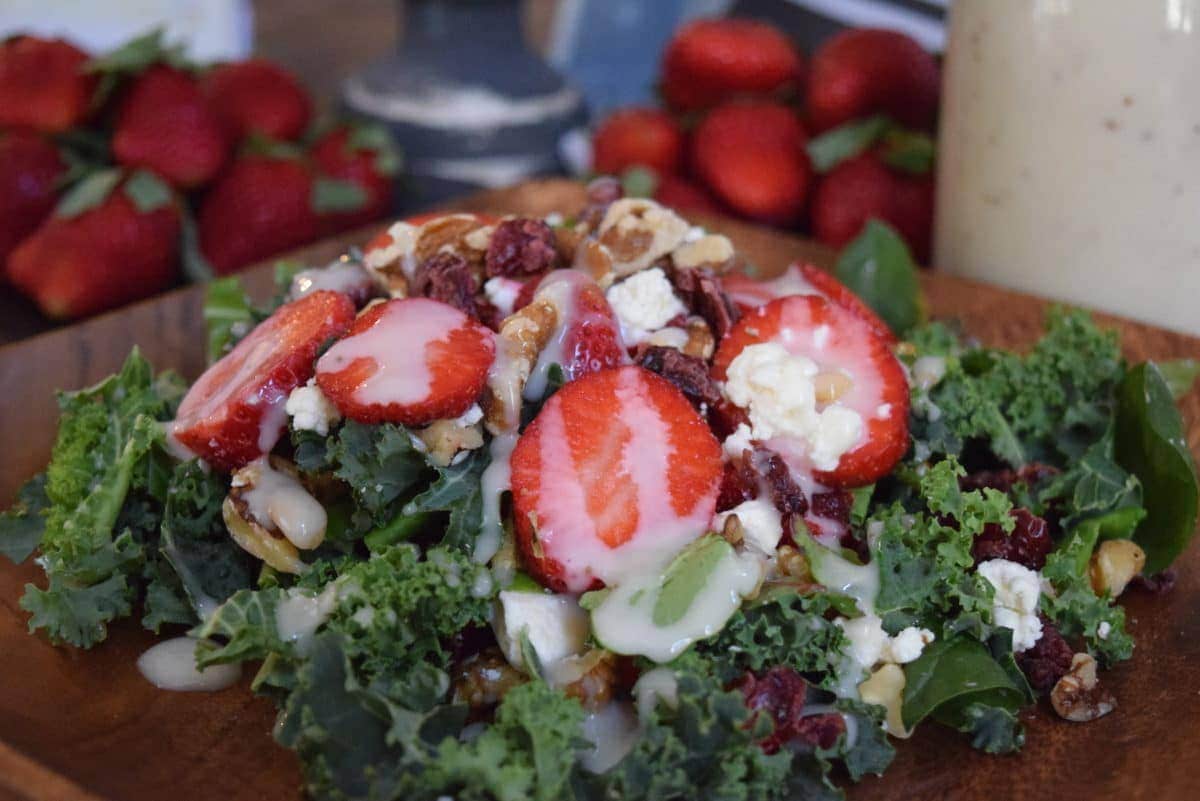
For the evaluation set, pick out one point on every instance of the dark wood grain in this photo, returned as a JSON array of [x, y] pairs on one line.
[[82, 726]]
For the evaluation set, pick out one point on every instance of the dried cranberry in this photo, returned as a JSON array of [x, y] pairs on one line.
[[739, 483], [820, 731], [688, 373], [724, 418], [833, 504], [1028, 544], [1003, 480], [1048, 660], [785, 492], [520, 247], [1158, 584], [702, 292], [779, 693], [448, 278]]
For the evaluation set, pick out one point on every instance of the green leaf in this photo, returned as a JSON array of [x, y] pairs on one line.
[[1150, 444], [242, 628], [196, 268], [22, 526], [529, 655], [639, 182], [993, 729], [846, 141], [147, 191], [909, 151], [228, 316], [138, 53], [77, 614], [88, 193], [686, 576], [334, 196], [1180, 375], [380, 465], [377, 139], [458, 490], [165, 602], [956, 672], [878, 268], [871, 752]]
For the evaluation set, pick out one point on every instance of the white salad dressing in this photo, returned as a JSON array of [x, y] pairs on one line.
[[495, 481], [171, 665], [300, 614], [398, 344], [345, 276], [612, 731], [660, 531], [624, 620], [659, 684], [790, 282], [278, 497]]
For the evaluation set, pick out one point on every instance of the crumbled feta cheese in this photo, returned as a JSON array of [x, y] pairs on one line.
[[1016, 602], [644, 302], [470, 417], [669, 337], [502, 293], [554, 219], [776, 388], [310, 410], [868, 644], [555, 625], [1104, 629], [738, 442], [762, 526]]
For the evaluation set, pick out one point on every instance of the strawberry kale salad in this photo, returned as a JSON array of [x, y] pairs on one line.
[[570, 508]]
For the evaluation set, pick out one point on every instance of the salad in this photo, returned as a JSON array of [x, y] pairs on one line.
[[508, 508]]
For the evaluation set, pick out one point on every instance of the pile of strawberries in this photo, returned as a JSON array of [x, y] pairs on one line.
[[753, 128], [122, 174]]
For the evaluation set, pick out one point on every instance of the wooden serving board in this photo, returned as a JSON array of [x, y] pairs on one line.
[[85, 725]]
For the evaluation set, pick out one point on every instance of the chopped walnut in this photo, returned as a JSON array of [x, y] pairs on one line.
[[595, 259], [711, 250], [700, 340], [637, 232], [391, 264], [483, 680], [589, 678], [1078, 696], [522, 337], [732, 531], [793, 564], [480, 238], [444, 439], [448, 234]]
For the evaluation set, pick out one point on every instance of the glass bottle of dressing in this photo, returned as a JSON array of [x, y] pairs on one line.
[[1069, 160]]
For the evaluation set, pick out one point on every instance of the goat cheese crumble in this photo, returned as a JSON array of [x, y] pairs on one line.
[[643, 303], [1016, 602], [310, 410]]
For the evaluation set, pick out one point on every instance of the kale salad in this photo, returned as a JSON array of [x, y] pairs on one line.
[[510, 508]]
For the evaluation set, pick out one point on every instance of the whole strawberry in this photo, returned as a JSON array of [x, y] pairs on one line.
[[868, 71], [711, 60], [752, 156], [631, 137], [30, 170], [257, 96], [865, 187], [43, 84], [260, 207], [361, 156], [164, 123], [684, 196], [122, 248]]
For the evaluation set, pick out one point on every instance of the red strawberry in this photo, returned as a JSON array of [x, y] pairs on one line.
[[617, 470], [364, 157], [587, 336], [864, 187], [437, 373], [637, 137], [257, 96], [164, 123], [710, 60], [234, 413], [261, 207], [752, 156], [802, 279], [685, 196], [836, 339], [43, 84], [867, 71], [30, 169], [105, 257]]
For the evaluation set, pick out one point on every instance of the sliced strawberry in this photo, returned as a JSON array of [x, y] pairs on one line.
[[234, 413], [837, 340], [409, 361], [588, 337], [802, 279], [615, 474]]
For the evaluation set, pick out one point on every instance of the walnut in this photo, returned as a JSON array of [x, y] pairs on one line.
[[448, 233], [1078, 696], [1114, 564], [589, 678], [522, 337], [793, 564], [732, 532], [391, 265], [711, 250], [595, 259], [480, 238], [444, 439], [637, 232], [700, 340], [262, 538], [483, 680]]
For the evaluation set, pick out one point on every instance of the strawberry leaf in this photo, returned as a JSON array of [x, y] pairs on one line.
[[138, 53], [258, 145], [333, 196], [846, 141], [377, 139], [147, 191], [88, 193], [639, 182], [908, 151], [196, 268], [878, 267]]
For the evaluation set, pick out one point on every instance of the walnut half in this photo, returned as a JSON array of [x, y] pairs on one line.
[[1078, 696]]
